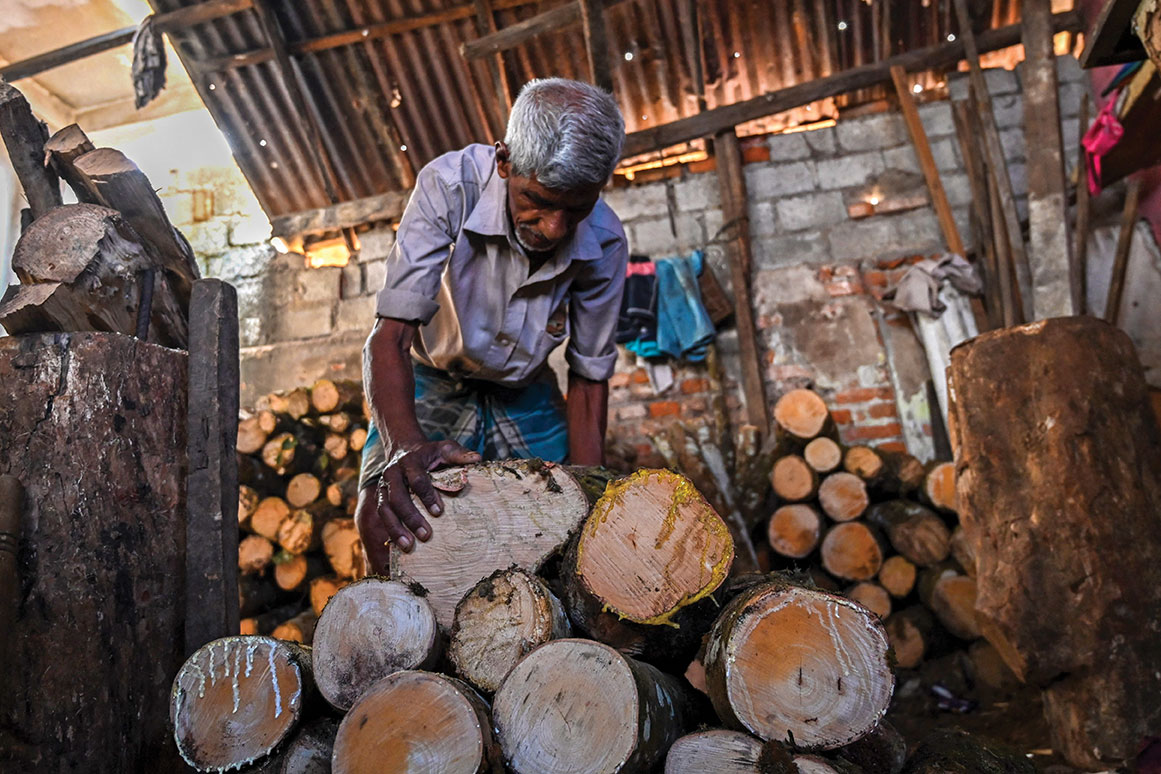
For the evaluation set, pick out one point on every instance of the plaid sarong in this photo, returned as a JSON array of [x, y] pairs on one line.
[[496, 421]]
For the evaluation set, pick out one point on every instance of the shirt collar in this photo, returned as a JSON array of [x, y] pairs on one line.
[[490, 218]]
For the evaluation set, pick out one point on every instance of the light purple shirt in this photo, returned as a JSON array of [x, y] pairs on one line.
[[456, 269]]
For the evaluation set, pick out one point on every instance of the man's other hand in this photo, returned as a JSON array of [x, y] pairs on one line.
[[388, 513]]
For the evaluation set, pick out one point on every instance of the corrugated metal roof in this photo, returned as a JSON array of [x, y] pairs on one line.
[[415, 90]]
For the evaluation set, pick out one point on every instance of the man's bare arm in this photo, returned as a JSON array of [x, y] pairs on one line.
[[587, 415]]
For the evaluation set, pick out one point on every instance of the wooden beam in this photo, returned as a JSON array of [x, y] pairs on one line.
[[927, 162], [165, 22], [1050, 253], [211, 553], [1111, 40], [994, 151], [515, 34], [486, 25], [1121, 256], [690, 21], [382, 207], [732, 181], [597, 43], [932, 57], [1079, 269]]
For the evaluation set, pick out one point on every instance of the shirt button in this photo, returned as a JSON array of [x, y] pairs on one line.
[[504, 339]]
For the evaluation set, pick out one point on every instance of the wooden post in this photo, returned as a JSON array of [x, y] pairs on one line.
[[24, 137], [211, 588], [926, 161], [597, 43], [728, 152], [1121, 257], [1083, 212], [981, 209], [994, 151], [1050, 253]]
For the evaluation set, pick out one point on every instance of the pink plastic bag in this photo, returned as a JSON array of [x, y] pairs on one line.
[[1105, 132]]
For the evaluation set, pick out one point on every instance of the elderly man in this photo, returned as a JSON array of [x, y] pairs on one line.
[[502, 254]]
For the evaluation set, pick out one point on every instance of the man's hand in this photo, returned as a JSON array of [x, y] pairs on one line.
[[391, 516]]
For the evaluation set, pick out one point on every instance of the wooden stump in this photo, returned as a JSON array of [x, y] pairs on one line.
[[367, 631], [499, 622], [802, 414], [580, 706], [236, 699], [785, 660], [823, 454], [871, 596], [718, 751], [793, 479], [94, 427], [794, 530], [652, 546], [414, 723], [505, 514], [852, 551], [1063, 403], [913, 530], [843, 496]]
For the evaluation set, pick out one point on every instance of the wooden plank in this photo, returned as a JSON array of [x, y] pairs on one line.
[[486, 25], [927, 162], [732, 181], [1079, 269], [515, 34], [1111, 40], [597, 43], [386, 207], [995, 156], [932, 57], [165, 22], [981, 211], [211, 582], [690, 21], [24, 137], [1050, 253], [1121, 256]]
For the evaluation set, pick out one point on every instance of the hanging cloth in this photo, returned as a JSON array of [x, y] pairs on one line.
[[1104, 133], [148, 63]]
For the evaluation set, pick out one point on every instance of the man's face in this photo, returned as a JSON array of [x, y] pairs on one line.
[[543, 218]]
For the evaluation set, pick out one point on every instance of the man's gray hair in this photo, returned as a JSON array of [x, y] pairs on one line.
[[567, 133]]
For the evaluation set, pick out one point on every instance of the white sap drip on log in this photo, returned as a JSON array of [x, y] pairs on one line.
[[274, 680]]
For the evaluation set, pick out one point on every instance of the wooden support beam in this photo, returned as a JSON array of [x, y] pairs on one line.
[[1050, 253], [732, 181], [486, 25], [690, 20], [994, 151], [1079, 269], [382, 207], [597, 43], [864, 76], [211, 553], [1111, 40], [1121, 256], [927, 162], [165, 22], [24, 137], [521, 32]]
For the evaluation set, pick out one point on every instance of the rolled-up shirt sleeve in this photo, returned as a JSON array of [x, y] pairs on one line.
[[594, 302], [422, 247]]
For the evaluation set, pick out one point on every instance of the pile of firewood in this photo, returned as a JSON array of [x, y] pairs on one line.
[[544, 627], [298, 468], [112, 262], [881, 527]]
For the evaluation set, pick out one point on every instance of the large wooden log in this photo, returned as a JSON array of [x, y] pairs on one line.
[[802, 414], [62, 150], [1086, 543], [495, 515], [794, 530], [843, 496], [953, 750], [652, 546], [83, 268], [913, 530], [722, 752], [414, 722], [368, 630], [852, 551], [499, 622], [236, 699], [24, 137], [580, 706], [93, 425], [785, 660]]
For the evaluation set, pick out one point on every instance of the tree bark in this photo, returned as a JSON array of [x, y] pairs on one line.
[[496, 515], [236, 699], [499, 622], [1086, 542], [582, 705], [883, 751], [951, 751], [783, 659], [368, 630], [24, 137]]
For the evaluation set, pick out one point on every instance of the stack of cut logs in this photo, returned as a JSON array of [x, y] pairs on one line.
[[543, 628], [298, 468], [882, 527], [112, 262]]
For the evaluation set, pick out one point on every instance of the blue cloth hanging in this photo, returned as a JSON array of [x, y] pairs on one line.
[[684, 328]]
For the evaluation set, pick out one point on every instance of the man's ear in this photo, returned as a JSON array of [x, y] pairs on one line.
[[503, 164]]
